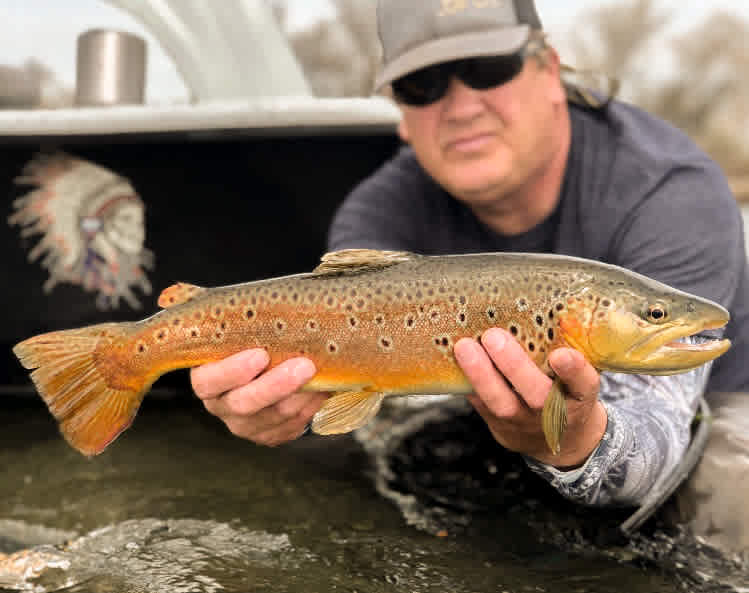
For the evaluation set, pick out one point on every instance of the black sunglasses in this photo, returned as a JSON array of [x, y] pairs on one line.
[[430, 84]]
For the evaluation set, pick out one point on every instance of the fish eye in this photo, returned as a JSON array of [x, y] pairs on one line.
[[657, 313]]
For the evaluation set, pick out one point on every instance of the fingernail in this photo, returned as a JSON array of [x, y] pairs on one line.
[[303, 369], [465, 351], [258, 358], [563, 361], [495, 339]]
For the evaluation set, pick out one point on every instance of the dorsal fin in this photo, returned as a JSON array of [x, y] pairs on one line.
[[179, 293], [359, 260]]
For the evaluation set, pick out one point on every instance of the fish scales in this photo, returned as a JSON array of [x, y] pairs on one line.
[[375, 324], [391, 330]]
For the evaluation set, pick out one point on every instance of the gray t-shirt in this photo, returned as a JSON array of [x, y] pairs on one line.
[[637, 193]]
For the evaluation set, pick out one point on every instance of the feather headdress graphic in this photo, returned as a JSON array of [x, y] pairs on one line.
[[91, 223]]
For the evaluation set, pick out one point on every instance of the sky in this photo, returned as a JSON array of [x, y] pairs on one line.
[[47, 30]]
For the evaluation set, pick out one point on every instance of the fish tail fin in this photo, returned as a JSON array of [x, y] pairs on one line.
[[92, 406], [554, 416]]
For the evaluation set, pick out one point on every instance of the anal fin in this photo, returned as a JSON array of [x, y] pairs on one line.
[[346, 411]]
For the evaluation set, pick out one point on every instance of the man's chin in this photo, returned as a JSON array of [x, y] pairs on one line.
[[477, 191]]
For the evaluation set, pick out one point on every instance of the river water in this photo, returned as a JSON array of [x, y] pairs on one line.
[[177, 504]]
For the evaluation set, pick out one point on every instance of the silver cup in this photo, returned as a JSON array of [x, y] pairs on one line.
[[110, 68]]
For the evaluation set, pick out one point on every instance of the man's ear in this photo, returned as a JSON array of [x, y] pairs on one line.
[[554, 65], [403, 130]]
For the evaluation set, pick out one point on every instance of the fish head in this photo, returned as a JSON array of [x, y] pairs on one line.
[[633, 325]]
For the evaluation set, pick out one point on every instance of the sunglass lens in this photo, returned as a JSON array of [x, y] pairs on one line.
[[422, 87], [487, 72]]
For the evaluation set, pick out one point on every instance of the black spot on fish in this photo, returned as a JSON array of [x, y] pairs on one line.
[[531, 346], [513, 330], [550, 333], [539, 320]]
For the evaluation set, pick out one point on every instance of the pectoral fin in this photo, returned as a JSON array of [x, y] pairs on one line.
[[346, 411], [554, 416]]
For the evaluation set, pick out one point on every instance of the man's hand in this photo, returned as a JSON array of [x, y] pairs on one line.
[[266, 409], [510, 391]]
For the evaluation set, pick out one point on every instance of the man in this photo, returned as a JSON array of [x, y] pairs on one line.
[[498, 159]]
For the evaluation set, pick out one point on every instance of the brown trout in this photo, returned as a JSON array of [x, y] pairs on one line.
[[375, 323]]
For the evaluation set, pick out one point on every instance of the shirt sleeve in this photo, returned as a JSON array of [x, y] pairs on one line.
[[647, 433]]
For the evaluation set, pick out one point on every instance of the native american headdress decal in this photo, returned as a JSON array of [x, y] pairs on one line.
[[92, 226]]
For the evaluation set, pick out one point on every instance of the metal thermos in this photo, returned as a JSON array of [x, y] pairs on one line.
[[110, 68]]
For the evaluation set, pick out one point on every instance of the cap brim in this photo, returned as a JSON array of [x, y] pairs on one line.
[[457, 47]]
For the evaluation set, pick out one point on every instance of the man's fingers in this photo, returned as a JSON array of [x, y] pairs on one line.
[[285, 416], [215, 378], [517, 367], [268, 388], [491, 388], [578, 375]]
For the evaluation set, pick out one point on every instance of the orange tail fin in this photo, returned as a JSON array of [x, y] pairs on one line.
[[91, 414]]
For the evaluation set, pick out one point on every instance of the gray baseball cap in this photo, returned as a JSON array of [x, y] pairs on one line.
[[419, 33]]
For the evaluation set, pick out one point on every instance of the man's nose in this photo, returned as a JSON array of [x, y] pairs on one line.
[[461, 101]]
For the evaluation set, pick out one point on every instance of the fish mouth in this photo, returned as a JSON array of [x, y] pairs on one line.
[[667, 352]]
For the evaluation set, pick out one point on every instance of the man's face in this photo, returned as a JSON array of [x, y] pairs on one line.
[[482, 145]]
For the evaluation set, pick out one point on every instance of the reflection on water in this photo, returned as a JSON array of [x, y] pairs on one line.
[[177, 504]]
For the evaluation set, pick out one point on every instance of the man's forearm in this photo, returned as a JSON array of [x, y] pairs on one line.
[[648, 431]]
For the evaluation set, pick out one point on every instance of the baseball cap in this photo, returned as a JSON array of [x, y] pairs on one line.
[[419, 33]]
